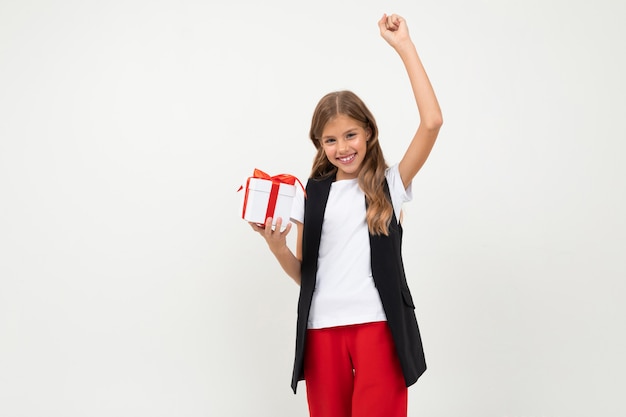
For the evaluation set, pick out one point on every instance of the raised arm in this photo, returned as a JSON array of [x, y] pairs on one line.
[[394, 30]]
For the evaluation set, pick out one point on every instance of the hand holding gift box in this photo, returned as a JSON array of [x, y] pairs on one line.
[[268, 196]]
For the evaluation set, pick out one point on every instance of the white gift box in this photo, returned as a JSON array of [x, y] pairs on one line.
[[266, 198]]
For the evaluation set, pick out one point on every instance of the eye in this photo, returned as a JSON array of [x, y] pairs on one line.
[[350, 135], [329, 141]]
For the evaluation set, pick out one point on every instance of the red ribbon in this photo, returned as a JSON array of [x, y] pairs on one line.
[[276, 181]]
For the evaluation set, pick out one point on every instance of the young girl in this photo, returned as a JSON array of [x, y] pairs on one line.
[[358, 346]]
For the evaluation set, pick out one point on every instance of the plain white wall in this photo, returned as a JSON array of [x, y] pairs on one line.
[[130, 286]]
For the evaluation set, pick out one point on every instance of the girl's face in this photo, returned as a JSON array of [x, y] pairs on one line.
[[344, 141]]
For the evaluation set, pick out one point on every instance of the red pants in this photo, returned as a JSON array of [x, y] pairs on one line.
[[353, 371]]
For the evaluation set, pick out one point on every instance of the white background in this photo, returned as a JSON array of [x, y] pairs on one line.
[[130, 286]]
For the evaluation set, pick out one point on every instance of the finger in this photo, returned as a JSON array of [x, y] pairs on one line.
[[268, 226], [393, 22], [279, 223], [381, 23], [255, 226], [398, 21]]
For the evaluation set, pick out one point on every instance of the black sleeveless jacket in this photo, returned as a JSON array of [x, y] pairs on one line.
[[389, 278]]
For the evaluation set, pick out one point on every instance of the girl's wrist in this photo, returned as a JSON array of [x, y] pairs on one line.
[[280, 250], [405, 46]]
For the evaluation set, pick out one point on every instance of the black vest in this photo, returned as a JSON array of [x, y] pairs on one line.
[[389, 278]]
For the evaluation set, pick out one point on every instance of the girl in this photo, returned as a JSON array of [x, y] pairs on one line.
[[358, 346]]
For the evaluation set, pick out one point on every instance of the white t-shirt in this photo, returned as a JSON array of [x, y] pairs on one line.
[[344, 290]]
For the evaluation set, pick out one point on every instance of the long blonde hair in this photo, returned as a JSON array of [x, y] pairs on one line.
[[371, 176]]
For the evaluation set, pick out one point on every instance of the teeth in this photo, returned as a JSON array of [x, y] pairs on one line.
[[347, 158]]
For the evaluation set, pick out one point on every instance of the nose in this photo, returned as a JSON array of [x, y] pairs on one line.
[[343, 145]]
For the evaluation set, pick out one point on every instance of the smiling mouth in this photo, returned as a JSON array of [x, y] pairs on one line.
[[347, 159]]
